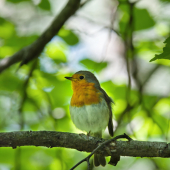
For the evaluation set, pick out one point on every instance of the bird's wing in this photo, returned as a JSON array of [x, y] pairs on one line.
[[109, 102]]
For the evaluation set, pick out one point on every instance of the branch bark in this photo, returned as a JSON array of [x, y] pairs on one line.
[[32, 51], [84, 143]]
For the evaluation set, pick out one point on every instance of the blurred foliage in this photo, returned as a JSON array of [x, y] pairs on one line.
[[92, 65], [142, 19], [56, 52], [165, 0], [17, 1], [43, 101], [68, 36]]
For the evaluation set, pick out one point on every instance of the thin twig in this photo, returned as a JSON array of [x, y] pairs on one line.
[[129, 53], [24, 97], [100, 146]]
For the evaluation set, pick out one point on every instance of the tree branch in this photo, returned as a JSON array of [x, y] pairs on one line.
[[84, 143], [32, 51]]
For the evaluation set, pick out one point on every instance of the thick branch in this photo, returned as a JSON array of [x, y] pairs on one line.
[[85, 143], [32, 51]]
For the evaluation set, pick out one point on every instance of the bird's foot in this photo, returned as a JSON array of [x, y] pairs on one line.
[[88, 134]]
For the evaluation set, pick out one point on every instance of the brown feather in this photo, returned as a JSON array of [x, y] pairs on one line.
[[109, 103]]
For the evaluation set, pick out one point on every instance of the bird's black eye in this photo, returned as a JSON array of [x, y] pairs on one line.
[[81, 77]]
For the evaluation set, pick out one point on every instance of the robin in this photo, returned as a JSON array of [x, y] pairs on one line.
[[90, 107]]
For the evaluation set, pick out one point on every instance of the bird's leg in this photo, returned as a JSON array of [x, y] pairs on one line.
[[84, 136], [88, 134]]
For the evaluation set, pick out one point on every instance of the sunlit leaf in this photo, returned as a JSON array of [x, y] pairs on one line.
[[6, 51], [161, 122], [6, 30], [56, 52]]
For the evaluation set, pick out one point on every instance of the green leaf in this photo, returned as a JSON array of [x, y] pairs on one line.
[[149, 101], [45, 5], [142, 19], [92, 65], [68, 36], [160, 121], [166, 51], [20, 42]]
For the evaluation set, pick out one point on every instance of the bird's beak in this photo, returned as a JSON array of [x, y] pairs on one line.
[[69, 78]]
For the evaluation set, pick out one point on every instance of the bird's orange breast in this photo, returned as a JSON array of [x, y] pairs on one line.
[[84, 94]]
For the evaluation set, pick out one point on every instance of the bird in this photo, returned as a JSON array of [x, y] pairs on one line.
[[90, 108]]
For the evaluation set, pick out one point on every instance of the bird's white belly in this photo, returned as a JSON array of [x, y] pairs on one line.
[[92, 118]]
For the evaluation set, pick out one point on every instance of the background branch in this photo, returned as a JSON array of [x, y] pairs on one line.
[[32, 51], [83, 143]]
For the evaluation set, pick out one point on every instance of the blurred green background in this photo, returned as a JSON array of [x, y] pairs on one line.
[[115, 39]]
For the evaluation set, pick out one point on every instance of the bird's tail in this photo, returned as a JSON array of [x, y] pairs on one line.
[[99, 160]]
